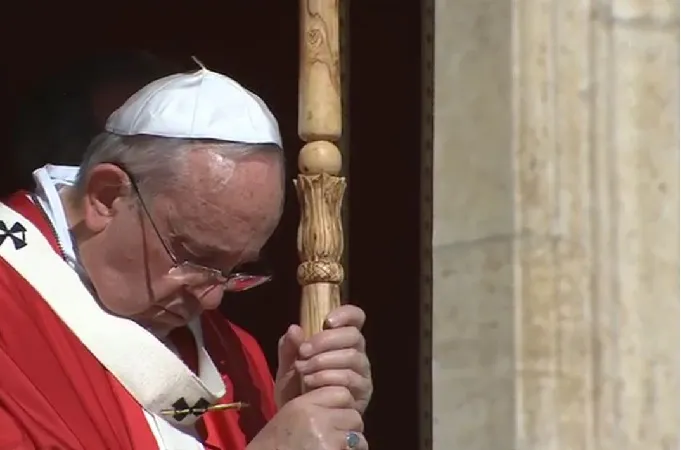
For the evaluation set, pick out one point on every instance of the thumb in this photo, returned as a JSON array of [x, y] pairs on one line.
[[289, 344]]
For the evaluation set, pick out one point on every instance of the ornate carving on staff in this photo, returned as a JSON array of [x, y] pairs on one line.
[[320, 189]]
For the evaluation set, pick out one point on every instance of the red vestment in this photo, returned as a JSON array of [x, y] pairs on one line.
[[54, 394]]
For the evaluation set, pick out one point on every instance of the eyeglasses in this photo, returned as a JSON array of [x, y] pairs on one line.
[[237, 281]]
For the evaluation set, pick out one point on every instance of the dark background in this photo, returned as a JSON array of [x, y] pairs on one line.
[[256, 42]]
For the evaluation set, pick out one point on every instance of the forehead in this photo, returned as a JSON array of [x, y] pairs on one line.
[[229, 205]]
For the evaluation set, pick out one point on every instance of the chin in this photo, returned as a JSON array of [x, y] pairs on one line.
[[172, 320], [161, 320], [168, 315], [178, 317]]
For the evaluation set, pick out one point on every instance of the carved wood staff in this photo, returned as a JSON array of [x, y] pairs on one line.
[[320, 189]]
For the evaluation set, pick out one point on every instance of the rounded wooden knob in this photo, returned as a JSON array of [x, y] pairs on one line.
[[320, 157]]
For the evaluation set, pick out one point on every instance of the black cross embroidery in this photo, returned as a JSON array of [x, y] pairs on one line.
[[182, 408], [16, 233]]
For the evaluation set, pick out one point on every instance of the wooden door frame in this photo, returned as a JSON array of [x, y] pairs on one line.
[[426, 174]]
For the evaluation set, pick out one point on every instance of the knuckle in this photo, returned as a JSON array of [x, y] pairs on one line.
[[309, 382], [317, 363], [350, 378], [369, 385], [344, 395], [361, 341], [357, 421], [364, 367], [357, 357], [353, 353], [317, 340], [361, 315], [297, 406], [335, 391], [355, 335], [300, 402], [367, 389], [363, 362]]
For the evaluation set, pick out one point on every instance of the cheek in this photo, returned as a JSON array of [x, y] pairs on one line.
[[140, 247], [266, 230], [135, 262]]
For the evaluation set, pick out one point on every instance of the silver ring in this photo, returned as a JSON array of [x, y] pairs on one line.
[[352, 440]]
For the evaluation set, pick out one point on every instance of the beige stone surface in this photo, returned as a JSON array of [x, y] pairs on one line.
[[472, 180], [474, 399], [556, 225], [473, 383]]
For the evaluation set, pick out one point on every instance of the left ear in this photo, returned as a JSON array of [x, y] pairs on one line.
[[107, 188]]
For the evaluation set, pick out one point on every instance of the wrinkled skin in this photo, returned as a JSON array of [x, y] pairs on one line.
[[219, 213], [334, 371], [317, 420], [333, 357]]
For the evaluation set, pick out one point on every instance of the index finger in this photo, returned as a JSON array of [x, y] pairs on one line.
[[334, 339], [345, 316]]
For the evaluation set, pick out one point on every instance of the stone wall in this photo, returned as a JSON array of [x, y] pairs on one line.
[[556, 225]]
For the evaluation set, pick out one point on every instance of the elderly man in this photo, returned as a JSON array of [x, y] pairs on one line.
[[110, 275]]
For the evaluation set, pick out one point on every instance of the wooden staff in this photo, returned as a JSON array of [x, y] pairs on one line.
[[320, 189]]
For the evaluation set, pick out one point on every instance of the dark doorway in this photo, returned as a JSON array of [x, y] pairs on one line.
[[257, 43]]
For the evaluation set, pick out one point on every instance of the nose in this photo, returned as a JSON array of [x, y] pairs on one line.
[[209, 297]]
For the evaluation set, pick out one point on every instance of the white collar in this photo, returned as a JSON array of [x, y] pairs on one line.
[[149, 373], [50, 179]]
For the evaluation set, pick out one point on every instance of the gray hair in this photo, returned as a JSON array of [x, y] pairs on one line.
[[155, 161]]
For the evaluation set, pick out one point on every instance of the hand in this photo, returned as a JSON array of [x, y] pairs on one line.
[[333, 357], [318, 420]]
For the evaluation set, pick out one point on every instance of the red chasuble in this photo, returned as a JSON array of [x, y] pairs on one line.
[[54, 394]]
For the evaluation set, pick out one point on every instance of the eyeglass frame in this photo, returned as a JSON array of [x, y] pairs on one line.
[[221, 278]]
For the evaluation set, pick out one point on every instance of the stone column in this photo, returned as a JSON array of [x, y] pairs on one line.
[[556, 225]]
